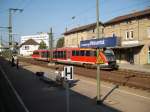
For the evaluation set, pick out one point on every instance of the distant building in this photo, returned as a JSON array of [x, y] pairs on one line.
[[38, 38], [27, 48], [1, 48], [31, 42]]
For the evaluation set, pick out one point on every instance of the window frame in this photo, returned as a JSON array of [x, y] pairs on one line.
[[148, 32], [131, 34], [127, 35]]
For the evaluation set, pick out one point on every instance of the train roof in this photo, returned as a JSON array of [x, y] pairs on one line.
[[41, 50], [60, 49]]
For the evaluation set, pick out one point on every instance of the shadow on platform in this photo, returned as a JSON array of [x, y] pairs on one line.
[[39, 96]]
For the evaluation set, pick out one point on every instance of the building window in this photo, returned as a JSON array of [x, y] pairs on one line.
[[129, 34], [26, 47], [93, 30], [148, 32], [112, 26]]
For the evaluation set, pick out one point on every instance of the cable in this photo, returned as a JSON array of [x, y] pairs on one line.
[[122, 9]]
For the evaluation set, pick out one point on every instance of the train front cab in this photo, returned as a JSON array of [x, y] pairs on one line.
[[111, 59], [36, 54]]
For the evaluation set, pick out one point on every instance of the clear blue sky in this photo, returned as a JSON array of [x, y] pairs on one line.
[[40, 15]]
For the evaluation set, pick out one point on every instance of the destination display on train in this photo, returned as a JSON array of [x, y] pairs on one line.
[[99, 43]]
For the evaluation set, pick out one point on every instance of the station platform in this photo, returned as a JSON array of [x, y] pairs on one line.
[[37, 96], [135, 67]]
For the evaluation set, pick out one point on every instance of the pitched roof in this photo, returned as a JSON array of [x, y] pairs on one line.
[[82, 28], [134, 15], [30, 42]]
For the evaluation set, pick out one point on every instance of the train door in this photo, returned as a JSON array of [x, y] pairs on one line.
[[149, 55], [68, 54]]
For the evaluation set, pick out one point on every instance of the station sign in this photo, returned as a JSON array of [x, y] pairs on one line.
[[68, 72], [99, 43]]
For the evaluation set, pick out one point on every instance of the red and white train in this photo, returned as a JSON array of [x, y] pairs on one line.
[[77, 56]]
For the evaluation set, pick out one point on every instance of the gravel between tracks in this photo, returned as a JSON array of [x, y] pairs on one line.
[[122, 77]]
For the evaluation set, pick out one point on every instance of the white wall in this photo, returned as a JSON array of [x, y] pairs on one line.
[[1, 48], [38, 38], [27, 50]]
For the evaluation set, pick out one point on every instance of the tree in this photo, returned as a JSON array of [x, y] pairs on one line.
[[42, 45], [60, 42]]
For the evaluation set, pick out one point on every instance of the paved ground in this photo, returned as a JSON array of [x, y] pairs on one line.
[[143, 68], [39, 96], [50, 98], [123, 99]]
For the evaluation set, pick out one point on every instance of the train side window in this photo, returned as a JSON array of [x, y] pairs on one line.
[[64, 54], [53, 54], [77, 53], [68, 55], [95, 53], [45, 54], [58, 54], [61, 54], [36, 52], [81, 53], [87, 53], [73, 53], [91, 53], [42, 54]]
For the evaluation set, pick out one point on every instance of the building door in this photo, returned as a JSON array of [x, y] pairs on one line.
[[130, 56], [149, 56]]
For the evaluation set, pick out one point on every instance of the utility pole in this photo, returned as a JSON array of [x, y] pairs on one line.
[[10, 28], [1, 39], [98, 65], [51, 44], [1, 42], [10, 25]]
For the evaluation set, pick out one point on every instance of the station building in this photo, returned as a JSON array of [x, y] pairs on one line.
[[73, 37], [132, 31]]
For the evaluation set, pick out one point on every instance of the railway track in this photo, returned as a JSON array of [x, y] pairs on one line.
[[129, 78]]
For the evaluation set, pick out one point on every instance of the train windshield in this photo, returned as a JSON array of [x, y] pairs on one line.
[[35, 52], [108, 52], [109, 55]]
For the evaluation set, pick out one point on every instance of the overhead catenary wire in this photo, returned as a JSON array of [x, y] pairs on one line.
[[111, 12]]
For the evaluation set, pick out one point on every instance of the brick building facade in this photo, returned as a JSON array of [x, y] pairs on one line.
[[133, 30]]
